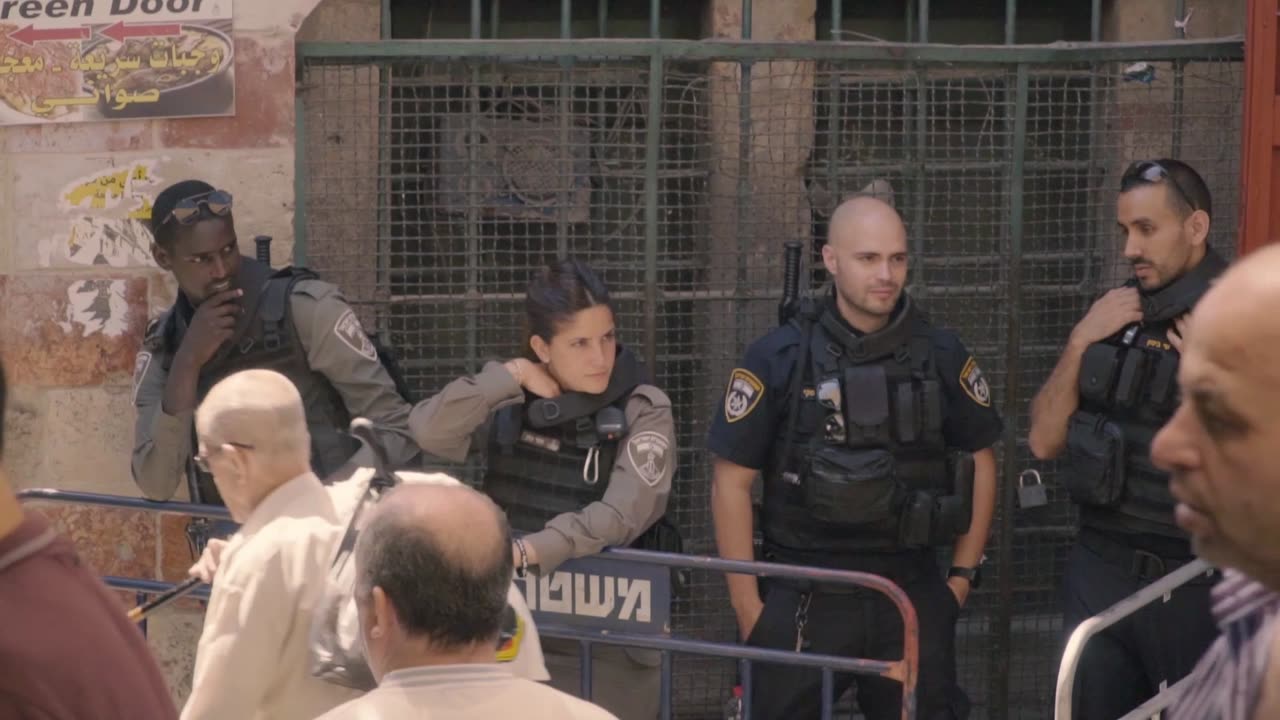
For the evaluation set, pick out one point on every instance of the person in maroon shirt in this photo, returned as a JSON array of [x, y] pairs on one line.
[[67, 651]]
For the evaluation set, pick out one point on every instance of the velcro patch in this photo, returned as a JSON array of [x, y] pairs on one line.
[[975, 383], [352, 335], [742, 395], [647, 452], [140, 365]]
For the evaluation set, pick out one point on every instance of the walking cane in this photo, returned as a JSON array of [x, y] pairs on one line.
[[137, 614]]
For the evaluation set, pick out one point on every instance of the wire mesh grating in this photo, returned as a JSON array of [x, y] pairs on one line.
[[436, 186]]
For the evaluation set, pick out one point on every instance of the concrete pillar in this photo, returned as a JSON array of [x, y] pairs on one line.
[[341, 120], [780, 142]]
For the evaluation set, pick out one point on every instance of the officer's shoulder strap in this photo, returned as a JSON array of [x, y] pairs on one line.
[[153, 338], [921, 344], [795, 388], [505, 427], [273, 307]]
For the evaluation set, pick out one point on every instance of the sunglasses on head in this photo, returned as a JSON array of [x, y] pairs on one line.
[[1152, 172], [187, 210]]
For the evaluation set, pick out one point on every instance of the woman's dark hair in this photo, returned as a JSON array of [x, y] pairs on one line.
[[557, 293]]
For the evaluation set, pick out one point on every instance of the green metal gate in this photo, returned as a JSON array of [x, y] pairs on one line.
[[435, 176]]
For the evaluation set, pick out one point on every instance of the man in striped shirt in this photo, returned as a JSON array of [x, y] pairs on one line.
[[1220, 451]]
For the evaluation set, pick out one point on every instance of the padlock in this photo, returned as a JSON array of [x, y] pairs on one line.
[[1031, 495]]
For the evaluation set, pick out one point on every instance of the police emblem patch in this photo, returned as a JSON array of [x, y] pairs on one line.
[[140, 365], [742, 395], [647, 452], [353, 336], [975, 384]]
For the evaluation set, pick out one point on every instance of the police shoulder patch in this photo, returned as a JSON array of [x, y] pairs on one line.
[[140, 365], [742, 395], [352, 335], [974, 383], [647, 452]]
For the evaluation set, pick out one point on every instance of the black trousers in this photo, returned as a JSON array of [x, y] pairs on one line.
[[1125, 665], [860, 623]]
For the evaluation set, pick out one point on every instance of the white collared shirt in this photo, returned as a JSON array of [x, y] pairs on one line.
[[253, 657], [465, 692]]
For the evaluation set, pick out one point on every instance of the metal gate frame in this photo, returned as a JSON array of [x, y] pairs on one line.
[[904, 671], [1090, 628], [1020, 60]]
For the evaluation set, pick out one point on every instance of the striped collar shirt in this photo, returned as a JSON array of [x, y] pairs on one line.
[[1227, 682]]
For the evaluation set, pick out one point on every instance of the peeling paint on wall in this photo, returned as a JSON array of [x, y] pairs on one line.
[[97, 306], [107, 218]]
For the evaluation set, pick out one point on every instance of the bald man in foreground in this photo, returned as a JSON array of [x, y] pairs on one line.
[[252, 660], [433, 568], [872, 431], [1220, 449]]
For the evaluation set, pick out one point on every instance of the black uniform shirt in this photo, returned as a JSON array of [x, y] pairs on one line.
[[752, 414]]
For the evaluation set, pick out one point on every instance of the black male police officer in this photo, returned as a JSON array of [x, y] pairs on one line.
[[873, 433], [1113, 388], [233, 313]]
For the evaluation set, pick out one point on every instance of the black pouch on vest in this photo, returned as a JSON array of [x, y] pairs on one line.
[[1133, 376], [1095, 447], [866, 406], [1099, 367], [931, 409], [1163, 388], [916, 526], [958, 508], [851, 488]]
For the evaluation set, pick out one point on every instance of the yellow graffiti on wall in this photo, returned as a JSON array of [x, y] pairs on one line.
[[98, 190], [142, 212]]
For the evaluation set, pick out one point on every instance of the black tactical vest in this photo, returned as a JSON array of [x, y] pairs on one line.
[[265, 338], [1128, 390], [550, 456], [864, 465]]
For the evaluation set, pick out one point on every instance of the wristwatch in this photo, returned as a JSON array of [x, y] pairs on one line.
[[973, 574]]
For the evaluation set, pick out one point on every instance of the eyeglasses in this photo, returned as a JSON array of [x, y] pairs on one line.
[[202, 460], [1150, 171], [187, 210]]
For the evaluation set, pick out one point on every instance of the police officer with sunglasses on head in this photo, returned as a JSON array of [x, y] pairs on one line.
[[1113, 388], [234, 313]]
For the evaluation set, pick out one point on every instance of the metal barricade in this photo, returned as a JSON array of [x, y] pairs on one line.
[[142, 588], [904, 670], [1158, 590]]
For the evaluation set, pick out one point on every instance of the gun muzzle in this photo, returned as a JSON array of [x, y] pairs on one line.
[[263, 244]]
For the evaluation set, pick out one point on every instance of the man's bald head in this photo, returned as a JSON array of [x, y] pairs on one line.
[[1219, 446], [863, 215], [255, 407], [442, 556]]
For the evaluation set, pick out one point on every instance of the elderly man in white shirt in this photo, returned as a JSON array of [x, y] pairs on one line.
[[252, 659], [433, 568]]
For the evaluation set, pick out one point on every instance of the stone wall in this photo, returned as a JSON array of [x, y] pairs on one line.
[[77, 283]]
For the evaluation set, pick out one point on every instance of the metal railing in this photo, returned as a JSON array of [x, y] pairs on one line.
[[904, 670], [1158, 590]]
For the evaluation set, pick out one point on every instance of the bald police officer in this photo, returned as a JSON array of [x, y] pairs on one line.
[[235, 313], [872, 430]]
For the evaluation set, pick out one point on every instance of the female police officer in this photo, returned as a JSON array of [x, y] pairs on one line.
[[579, 450]]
